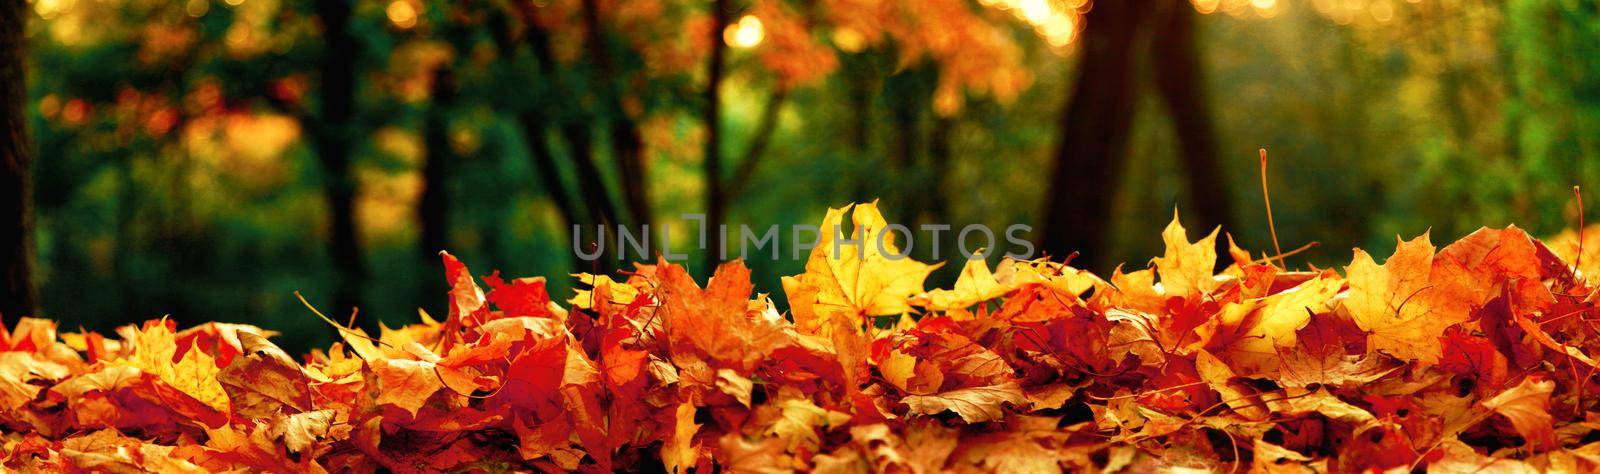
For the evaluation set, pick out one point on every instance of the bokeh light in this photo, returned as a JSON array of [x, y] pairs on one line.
[[746, 33], [402, 14]]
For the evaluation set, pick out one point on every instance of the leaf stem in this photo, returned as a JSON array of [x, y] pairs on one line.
[[1266, 197]]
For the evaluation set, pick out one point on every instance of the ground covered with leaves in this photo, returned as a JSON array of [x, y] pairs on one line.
[[1478, 357]]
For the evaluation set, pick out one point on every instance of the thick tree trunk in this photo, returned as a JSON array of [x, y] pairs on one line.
[[433, 207], [18, 296], [1180, 80], [333, 143], [1094, 135], [715, 207]]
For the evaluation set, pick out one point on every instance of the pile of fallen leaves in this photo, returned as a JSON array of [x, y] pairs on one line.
[[1475, 357]]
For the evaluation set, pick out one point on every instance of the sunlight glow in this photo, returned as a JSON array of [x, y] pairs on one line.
[[197, 8], [1382, 11], [402, 13], [849, 40], [1056, 21], [1035, 11], [48, 9], [747, 33]]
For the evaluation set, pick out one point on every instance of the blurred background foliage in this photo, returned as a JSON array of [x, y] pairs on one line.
[[205, 158]]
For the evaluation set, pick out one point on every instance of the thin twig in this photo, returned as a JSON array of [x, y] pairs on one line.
[[335, 324]]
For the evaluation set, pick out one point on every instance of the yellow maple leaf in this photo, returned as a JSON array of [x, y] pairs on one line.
[[614, 291], [1012, 274], [1250, 334], [799, 419], [865, 276], [1187, 268], [975, 285], [405, 383], [1400, 305], [152, 350]]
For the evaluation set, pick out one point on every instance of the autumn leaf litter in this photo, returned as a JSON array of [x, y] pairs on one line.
[[1474, 357]]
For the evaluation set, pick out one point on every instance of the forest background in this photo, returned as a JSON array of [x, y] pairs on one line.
[[204, 159]]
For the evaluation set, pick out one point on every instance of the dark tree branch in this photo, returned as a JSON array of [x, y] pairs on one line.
[[591, 184], [599, 209], [544, 163], [759, 141], [627, 144], [863, 78], [532, 121]]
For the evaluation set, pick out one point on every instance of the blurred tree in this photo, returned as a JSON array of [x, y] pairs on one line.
[[433, 207], [1093, 140], [18, 296], [332, 133], [1095, 124], [750, 161], [712, 158], [567, 101], [627, 146], [1181, 83]]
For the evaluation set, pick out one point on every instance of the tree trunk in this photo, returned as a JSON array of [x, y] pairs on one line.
[[715, 207], [1094, 135], [333, 151], [125, 248], [940, 158], [861, 73], [598, 207], [433, 207], [627, 144], [544, 163], [1180, 80], [18, 296], [592, 186], [905, 150]]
